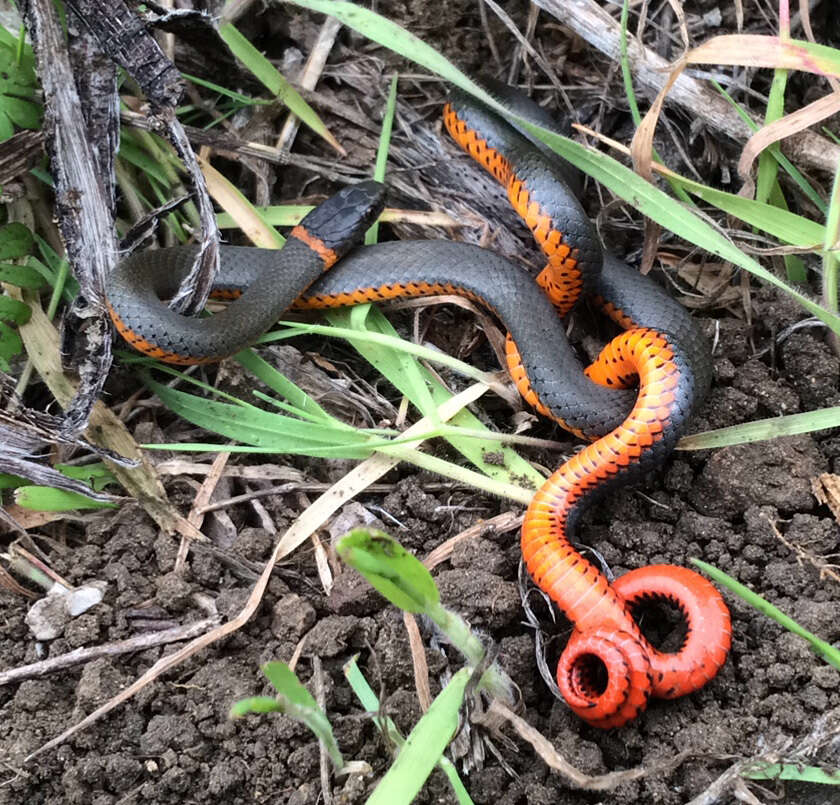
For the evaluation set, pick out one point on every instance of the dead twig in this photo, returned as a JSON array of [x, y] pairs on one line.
[[324, 757], [552, 758], [79, 656], [308, 78], [196, 515], [803, 555], [501, 524], [418, 661], [83, 201]]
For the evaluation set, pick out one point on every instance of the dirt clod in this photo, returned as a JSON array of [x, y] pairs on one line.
[[776, 473], [292, 616]]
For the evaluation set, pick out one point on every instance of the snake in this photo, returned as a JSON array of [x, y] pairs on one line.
[[632, 403]]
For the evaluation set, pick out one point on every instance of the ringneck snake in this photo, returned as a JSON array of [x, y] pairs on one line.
[[632, 403]]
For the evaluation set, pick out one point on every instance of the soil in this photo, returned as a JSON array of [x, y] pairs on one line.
[[741, 508]]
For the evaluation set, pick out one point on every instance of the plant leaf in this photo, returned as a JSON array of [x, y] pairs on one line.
[[372, 235], [763, 429], [792, 771], [22, 276], [423, 747], [23, 113], [10, 345], [15, 241], [295, 701], [14, 311], [286, 682], [390, 568], [255, 704], [48, 499], [265, 72]]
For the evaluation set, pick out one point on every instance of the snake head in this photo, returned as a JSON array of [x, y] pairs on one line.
[[341, 220], [605, 677]]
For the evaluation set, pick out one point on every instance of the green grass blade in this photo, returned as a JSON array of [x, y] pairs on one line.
[[372, 235], [211, 447], [286, 682], [794, 265], [137, 157], [823, 649], [364, 693], [281, 385], [361, 687], [507, 467], [768, 188], [763, 429], [792, 771], [392, 360], [385, 134], [318, 419], [56, 270], [47, 499], [504, 489], [767, 166], [245, 100], [423, 747], [626, 74], [390, 339], [627, 77], [832, 233], [51, 277], [266, 73], [497, 461], [251, 425]]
